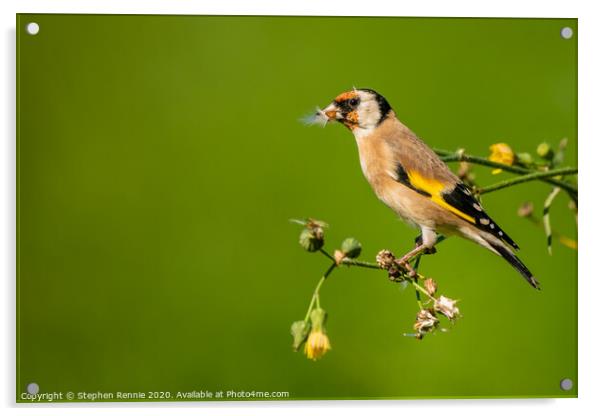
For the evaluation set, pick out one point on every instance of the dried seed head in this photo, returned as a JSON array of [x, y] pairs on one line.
[[431, 286], [385, 259], [394, 273], [447, 307], [425, 322]]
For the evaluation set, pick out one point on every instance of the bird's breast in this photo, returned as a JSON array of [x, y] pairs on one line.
[[379, 167], [373, 159]]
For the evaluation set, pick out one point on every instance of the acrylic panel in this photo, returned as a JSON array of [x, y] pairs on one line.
[[161, 160]]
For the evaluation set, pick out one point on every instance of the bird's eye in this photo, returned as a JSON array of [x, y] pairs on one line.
[[353, 102]]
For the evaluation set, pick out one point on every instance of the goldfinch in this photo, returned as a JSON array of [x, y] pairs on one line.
[[410, 178]]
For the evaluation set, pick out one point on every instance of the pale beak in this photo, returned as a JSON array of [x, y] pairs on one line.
[[332, 112]]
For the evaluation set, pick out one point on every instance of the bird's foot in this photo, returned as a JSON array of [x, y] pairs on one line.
[[404, 261], [431, 250], [425, 250]]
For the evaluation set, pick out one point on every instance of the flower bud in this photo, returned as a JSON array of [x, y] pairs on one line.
[[299, 331], [525, 210], [351, 248], [311, 239], [431, 286], [463, 170], [524, 158], [545, 151], [572, 205], [318, 318]]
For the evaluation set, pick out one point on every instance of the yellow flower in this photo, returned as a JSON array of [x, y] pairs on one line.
[[501, 153], [569, 242], [317, 345]]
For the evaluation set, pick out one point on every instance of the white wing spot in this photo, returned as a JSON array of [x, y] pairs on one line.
[[492, 226], [484, 221], [501, 233], [477, 207]]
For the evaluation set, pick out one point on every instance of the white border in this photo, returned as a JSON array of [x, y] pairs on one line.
[[590, 149]]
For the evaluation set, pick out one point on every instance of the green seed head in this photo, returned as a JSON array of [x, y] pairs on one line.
[[311, 240], [545, 151], [299, 331], [351, 247]]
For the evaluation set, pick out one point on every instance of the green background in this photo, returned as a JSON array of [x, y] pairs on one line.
[[161, 157]]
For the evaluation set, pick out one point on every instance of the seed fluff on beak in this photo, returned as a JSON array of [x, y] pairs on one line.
[[318, 118]]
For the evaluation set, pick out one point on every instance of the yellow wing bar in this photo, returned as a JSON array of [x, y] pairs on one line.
[[435, 189]]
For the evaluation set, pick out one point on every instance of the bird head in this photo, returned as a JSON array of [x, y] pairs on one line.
[[358, 109]]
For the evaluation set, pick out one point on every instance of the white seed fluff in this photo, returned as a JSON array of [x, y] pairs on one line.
[[319, 117]]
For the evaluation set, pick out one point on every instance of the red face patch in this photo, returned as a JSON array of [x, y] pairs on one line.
[[346, 96], [351, 120]]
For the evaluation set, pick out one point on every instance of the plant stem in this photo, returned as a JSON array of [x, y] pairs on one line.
[[359, 263], [546, 217], [562, 239], [327, 255], [423, 290], [448, 156], [418, 299], [368, 265], [315, 297], [526, 178]]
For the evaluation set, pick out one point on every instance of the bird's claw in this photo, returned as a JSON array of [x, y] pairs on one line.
[[426, 250], [403, 263], [429, 250]]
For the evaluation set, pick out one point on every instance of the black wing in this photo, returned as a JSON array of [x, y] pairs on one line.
[[462, 199]]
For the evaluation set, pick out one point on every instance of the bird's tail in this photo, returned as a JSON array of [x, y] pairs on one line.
[[508, 255]]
